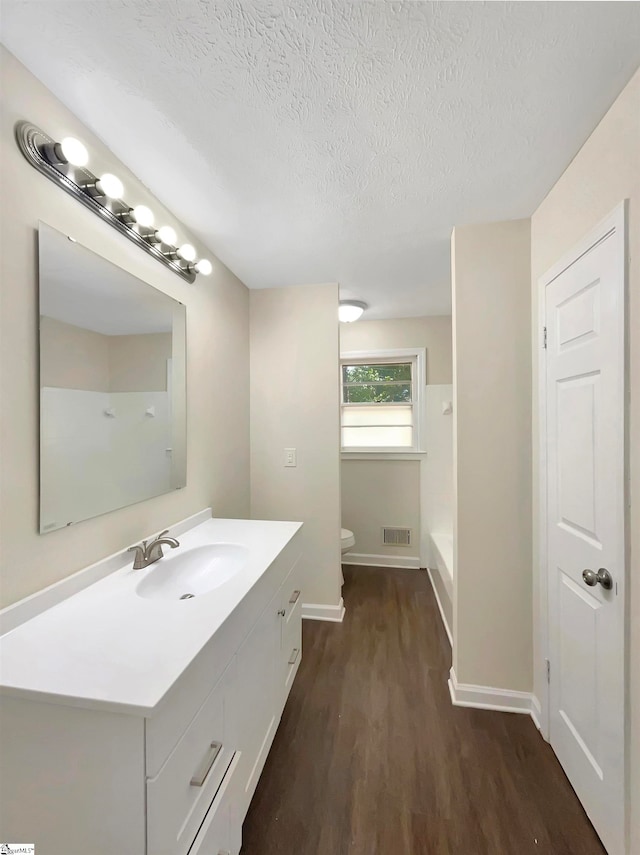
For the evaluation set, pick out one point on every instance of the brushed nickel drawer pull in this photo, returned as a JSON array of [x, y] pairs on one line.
[[201, 775], [294, 656], [294, 597]]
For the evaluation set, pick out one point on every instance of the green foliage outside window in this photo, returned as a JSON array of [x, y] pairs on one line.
[[371, 384]]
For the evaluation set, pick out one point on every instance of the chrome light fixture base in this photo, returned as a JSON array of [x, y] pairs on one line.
[[32, 142]]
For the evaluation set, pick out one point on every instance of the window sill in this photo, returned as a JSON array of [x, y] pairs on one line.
[[382, 455]]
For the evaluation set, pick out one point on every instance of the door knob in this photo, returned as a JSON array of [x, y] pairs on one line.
[[603, 576]]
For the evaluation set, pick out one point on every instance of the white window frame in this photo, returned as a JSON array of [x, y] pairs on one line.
[[417, 355]]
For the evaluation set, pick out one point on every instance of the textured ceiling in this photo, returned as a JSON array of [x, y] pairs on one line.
[[328, 140]]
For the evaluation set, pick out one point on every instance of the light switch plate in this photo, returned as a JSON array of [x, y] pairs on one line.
[[290, 457]]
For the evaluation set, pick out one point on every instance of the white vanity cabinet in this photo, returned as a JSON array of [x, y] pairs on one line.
[[78, 777], [291, 635], [179, 795], [266, 669]]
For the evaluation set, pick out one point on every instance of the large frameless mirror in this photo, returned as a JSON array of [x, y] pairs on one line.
[[112, 386]]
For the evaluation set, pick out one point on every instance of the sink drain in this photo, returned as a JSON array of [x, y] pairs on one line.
[[187, 596]]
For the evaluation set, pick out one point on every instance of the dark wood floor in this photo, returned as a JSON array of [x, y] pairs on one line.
[[371, 758]]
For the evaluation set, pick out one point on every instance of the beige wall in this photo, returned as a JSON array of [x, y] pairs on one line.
[[77, 358], [217, 340], [603, 173], [138, 363], [367, 487], [294, 404], [73, 357], [492, 454], [433, 332], [376, 493]]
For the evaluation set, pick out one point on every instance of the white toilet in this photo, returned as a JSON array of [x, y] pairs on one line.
[[347, 540]]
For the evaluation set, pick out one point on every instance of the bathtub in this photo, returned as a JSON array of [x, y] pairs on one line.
[[441, 574]]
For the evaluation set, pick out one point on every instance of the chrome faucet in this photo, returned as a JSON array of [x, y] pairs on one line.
[[151, 551]]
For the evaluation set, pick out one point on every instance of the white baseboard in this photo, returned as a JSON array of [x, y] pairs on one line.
[[363, 560], [447, 628], [320, 611], [488, 698], [536, 712]]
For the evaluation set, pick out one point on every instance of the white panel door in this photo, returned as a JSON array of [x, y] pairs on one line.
[[585, 530]]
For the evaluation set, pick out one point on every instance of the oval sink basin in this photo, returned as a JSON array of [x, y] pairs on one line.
[[188, 573]]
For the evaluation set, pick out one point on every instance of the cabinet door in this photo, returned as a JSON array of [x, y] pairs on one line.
[[256, 697], [290, 636]]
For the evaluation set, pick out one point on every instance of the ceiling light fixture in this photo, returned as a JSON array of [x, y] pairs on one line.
[[103, 195], [350, 310]]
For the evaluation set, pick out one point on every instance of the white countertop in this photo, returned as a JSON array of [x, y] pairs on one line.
[[108, 647]]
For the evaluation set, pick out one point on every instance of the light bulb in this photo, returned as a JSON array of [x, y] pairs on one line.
[[74, 152], [187, 252], [167, 235], [143, 215], [350, 310], [110, 185], [204, 266]]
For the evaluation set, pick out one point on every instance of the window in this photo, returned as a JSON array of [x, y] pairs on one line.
[[382, 401]]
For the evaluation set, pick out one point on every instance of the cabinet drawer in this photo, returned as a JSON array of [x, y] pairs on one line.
[[291, 602], [179, 795], [221, 831], [291, 651]]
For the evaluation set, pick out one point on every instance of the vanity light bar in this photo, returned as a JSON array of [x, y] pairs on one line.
[[65, 163]]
